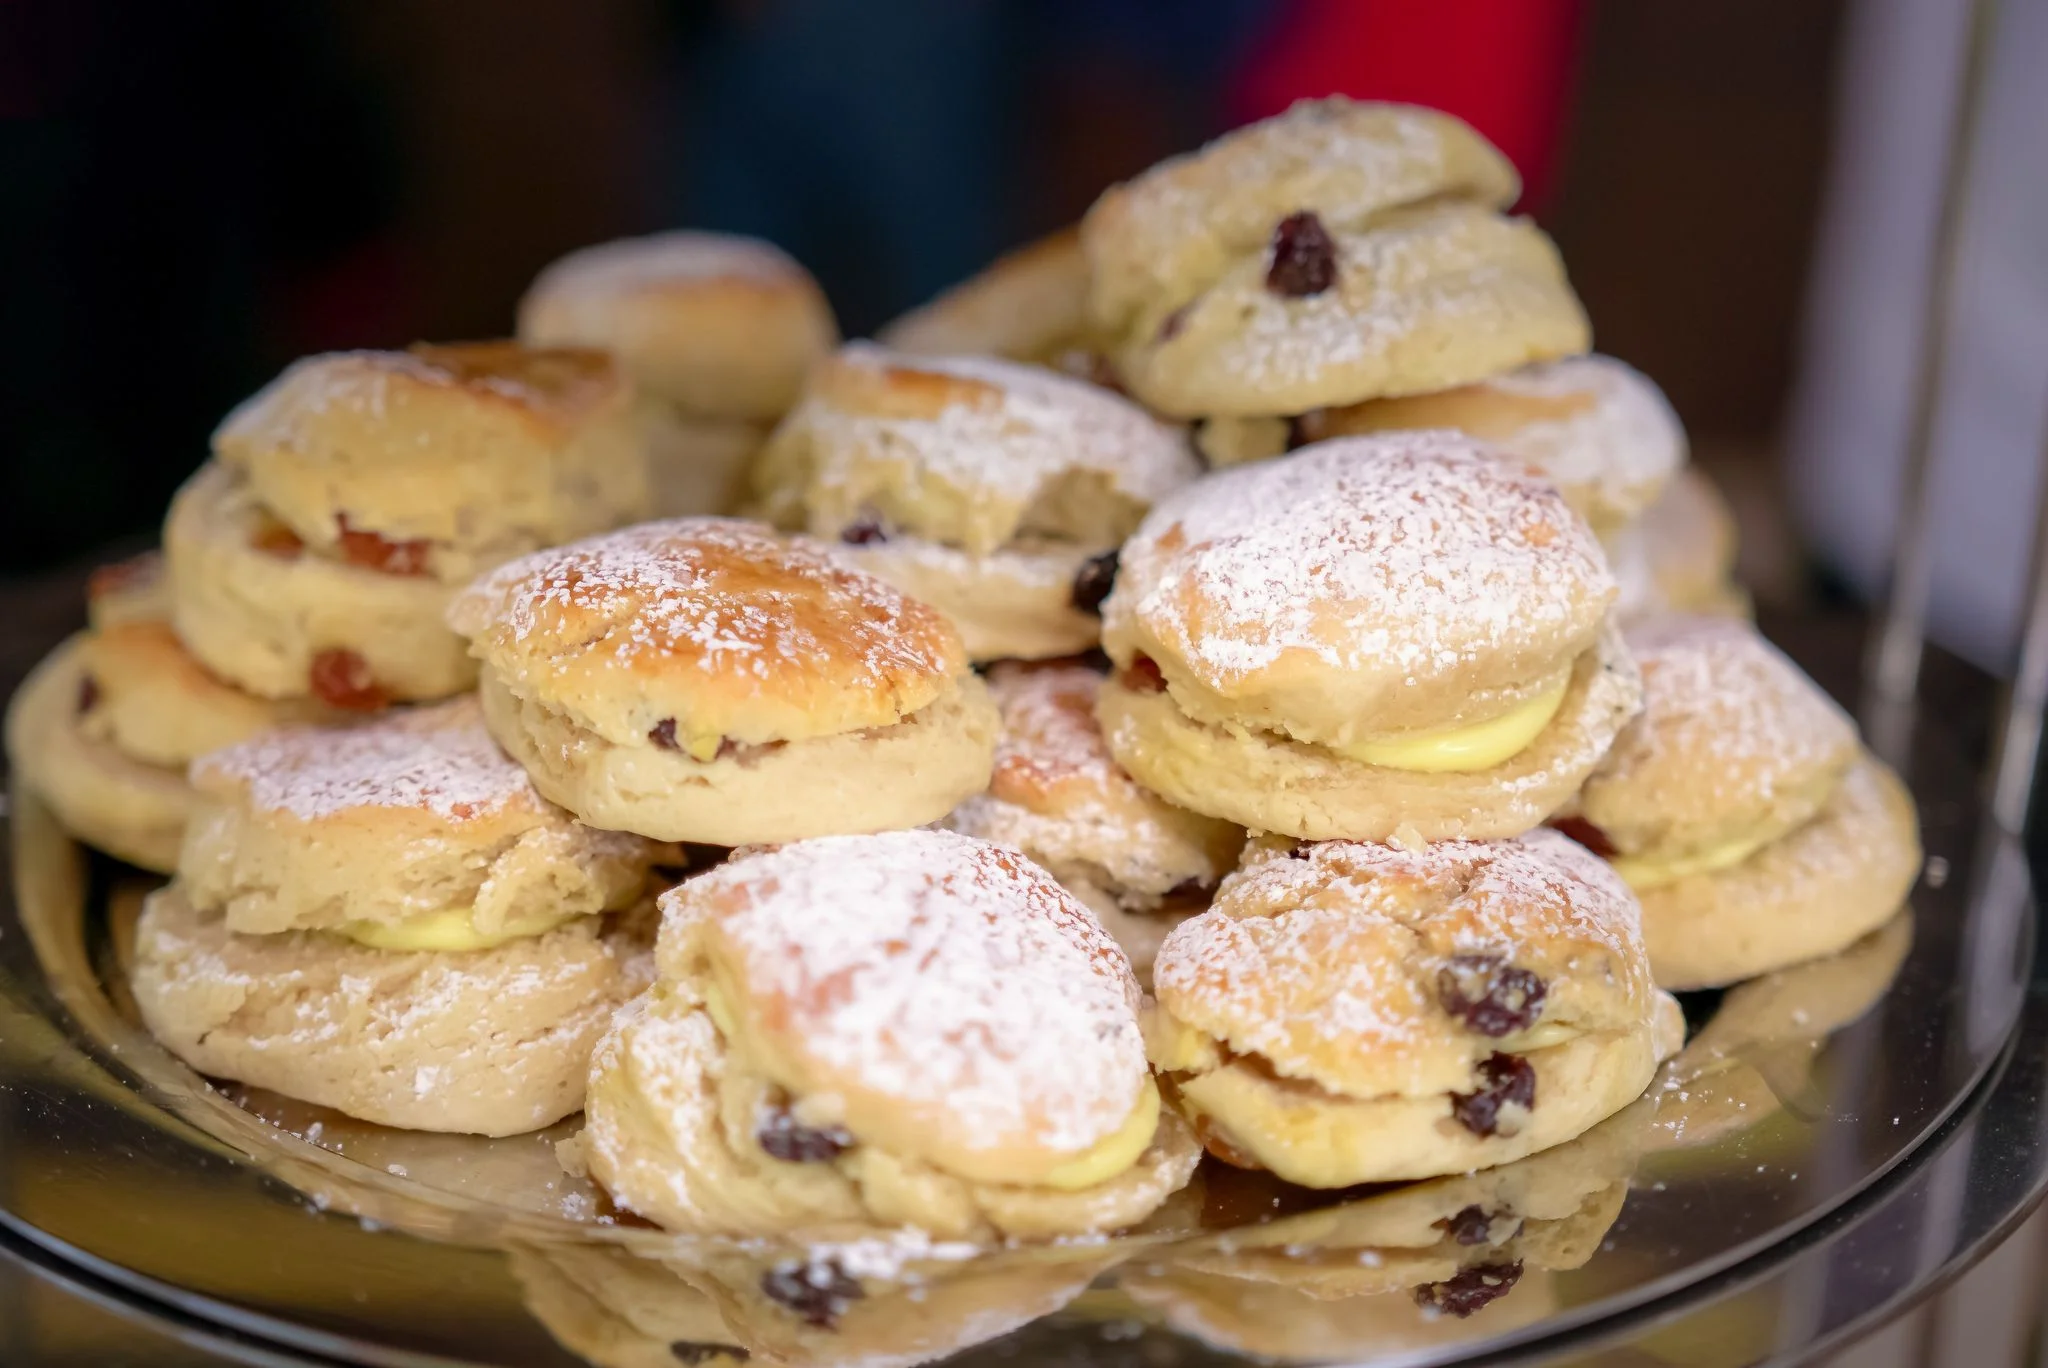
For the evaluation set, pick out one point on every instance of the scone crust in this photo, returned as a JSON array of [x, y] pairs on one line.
[[1680, 555], [1363, 586], [879, 778], [131, 590], [1013, 604], [1808, 894], [483, 450], [157, 704], [128, 808], [1268, 783], [260, 620], [1159, 238], [970, 1012], [1597, 427], [719, 627], [1029, 305], [495, 1042], [1058, 795], [1428, 298], [696, 466], [967, 451], [415, 814], [720, 325], [1733, 737]]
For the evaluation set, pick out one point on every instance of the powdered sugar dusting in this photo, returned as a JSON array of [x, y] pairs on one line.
[[940, 970], [1412, 553], [1626, 438], [437, 759], [1040, 426]]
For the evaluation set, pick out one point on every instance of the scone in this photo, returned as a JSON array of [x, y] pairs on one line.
[[717, 331], [440, 460], [1742, 810], [1141, 865], [909, 1029], [703, 680], [1339, 252], [1348, 1012], [1030, 305], [410, 833], [1679, 556], [613, 1308], [1403, 636], [262, 610], [104, 728], [1597, 428], [488, 1042], [994, 491]]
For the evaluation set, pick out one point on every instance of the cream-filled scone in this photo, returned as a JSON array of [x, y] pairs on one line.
[[490, 1042], [1597, 428], [1402, 636], [995, 491], [1029, 305], [717, 332], [441, 460], [705, 680], [1348, 1012], [1679, 556], [909, 1029], [1742, 810], [1141, 864], [262, 610], [414, 832]]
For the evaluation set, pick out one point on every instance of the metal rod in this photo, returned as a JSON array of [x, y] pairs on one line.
[[2019, 738], [1892, 666]]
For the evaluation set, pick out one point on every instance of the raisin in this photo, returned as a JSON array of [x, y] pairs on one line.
[[1473, 1289], [787, 1139], [1304, 257], [1490, 995], [374, 552], [1170, 326], [663, 733], [865, 530], [692, 1352], [88, 694], [1142, 676], [1587, 835], [1093, 581], [342, 679], [1472, 1226], [819, 1291], [1504, 1080]]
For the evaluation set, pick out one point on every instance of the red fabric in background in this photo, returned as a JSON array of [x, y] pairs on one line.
[[1504, 66]]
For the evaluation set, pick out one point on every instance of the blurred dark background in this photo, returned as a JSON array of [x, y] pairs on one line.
[[197, 193]]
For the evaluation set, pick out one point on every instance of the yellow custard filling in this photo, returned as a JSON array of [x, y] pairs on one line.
[[1463, 750], [449, 930], [1644, 872], [1111, 1155]]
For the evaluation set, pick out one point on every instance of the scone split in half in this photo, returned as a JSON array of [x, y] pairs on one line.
[[908, 1029], [706, 680], [1349, 1012]]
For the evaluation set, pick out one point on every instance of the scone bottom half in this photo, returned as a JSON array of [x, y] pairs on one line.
[[959, 1053], [1354, 1013]]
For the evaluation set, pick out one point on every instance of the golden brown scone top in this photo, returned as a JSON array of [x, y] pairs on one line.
[[1167, 233], [717, 623], [1029, 305], [1373, 970], [962, 1005]]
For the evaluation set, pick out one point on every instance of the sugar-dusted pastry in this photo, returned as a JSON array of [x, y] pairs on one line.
[[105, 726], [440, 460], [390, 921], [1348, 1012], [1029, 305], [1141, 864], [996, 492], [717, 332], [414, 832], [1597, 428], [1339, 252], [1679, 556], [908, 1029], [1743, 811], [1397, 636], [706, 680]]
